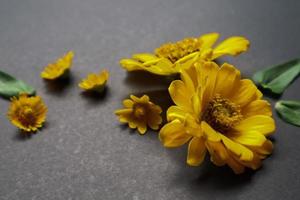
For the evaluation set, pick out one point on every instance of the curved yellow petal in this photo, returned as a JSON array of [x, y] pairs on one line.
[[180, 94], [210, 133], [245, 93], [231, 46], [227, 79], [257, 107], [260, 123], [239, 150], [196, 151], [131, 65], [176, 112], [173, 134], [251, 138], [208, 40], [144, 57]]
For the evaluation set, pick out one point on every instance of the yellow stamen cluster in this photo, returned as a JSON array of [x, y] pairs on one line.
[[222, 114], [177, 50]]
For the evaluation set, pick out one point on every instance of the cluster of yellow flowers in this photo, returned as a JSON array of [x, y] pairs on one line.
[[215, 111], [29, 113]]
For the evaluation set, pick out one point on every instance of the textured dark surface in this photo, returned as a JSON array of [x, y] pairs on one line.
[[83, 152]]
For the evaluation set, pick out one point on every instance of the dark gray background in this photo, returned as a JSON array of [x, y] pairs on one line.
[[83, 152]]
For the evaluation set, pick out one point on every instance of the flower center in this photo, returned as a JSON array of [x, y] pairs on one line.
[[139, 111], [177, 50], [222, 114], [27, 115]]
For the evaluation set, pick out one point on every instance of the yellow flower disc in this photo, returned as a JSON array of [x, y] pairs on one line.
[[140, 113], [27, 113]]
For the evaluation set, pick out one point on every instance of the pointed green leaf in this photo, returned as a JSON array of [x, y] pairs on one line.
[[289, 111], [9, 86], [278, 78]]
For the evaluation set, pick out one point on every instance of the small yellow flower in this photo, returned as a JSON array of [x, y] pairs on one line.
[[171, 58], [218, 112], [27, 113], [140, 112], [60, 68], [95, 82]]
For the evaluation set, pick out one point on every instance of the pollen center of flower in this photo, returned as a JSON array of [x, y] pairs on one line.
[[177, 50], [139, 111], [222, 114]]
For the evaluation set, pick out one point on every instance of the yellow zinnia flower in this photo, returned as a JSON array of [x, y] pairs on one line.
[[140, 112], [218, 112], [171, 58], [60, 68], [95, 82], [27, 113]]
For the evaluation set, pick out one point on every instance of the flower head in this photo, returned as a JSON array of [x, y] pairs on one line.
[[140, 113], [218, 112], [171, 58], [60, 68], [27, 113], [95, 82]]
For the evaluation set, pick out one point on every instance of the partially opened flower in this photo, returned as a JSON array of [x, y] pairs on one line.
[[60, 68], [27, 113], [171, 58], [140, 113], [95, 82], [218, 112]]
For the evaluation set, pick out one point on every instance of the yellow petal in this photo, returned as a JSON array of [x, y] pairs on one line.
[[131, 65], [239, 150], [218, 152], [209, 132], [180, 94], [173, 134], [260, 123], [231, 46], [227, 79], [245, 93], [128, 103], [208, 40], [196, 152], [144, 57], [142, 128], [176, 112], [265, 149], [251, 138], [237, 167], [257, 107]]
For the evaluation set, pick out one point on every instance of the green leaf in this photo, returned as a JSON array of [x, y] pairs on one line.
[[289, 111], [278, 78], [9, 86]]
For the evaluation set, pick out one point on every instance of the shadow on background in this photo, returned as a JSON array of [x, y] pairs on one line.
[[143, 79], [24, 136], [59, 86], [95, 98]]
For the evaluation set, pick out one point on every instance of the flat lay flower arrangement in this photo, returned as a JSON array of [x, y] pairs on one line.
[[215, 111]]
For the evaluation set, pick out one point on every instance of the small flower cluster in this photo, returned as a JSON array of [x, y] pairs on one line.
[[29, 112]]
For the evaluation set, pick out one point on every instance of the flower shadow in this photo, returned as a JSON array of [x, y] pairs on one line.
[[142, 79], [24, 136], [59, 86], [208, 177], [96, 97]]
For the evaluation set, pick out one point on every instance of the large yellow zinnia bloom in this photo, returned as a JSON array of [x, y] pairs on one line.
[[171, 58], [218, 112]]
